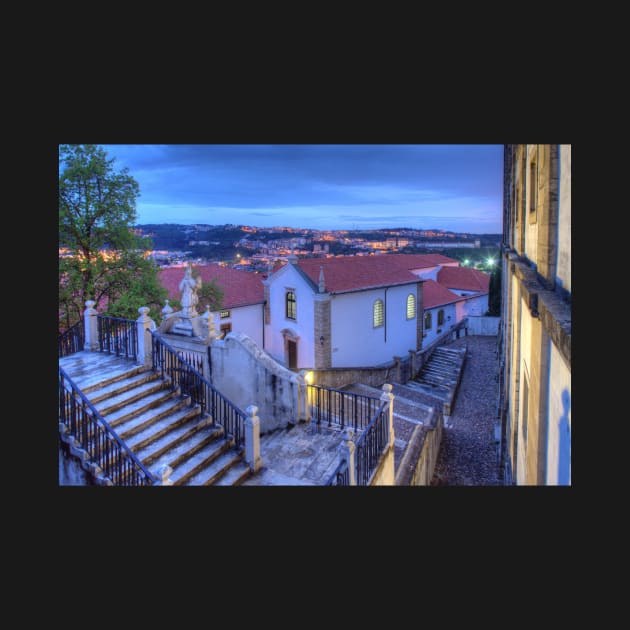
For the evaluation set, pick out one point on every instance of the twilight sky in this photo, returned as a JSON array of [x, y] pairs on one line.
[[453, 187]]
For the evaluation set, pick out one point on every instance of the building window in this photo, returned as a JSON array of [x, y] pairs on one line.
[[411, 306], [440, 317], [377, 313], [225, 329], [224, 314], [428, 321], [291, 305]]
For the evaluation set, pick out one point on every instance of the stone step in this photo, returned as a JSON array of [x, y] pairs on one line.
[[235, 475], [186, 450], [123, 423], [139, 407], [89, 370], [125, 399], [217, 469], [101, 393], [442, 363], [151, 430], [150, 453], [198, 462]]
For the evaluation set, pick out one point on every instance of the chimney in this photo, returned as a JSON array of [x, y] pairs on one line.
[[322, 282]]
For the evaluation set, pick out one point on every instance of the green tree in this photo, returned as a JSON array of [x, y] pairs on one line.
[[97, 210], [494, 297]]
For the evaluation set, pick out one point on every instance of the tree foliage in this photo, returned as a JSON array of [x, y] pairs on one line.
[[97, 210], [494, 297]]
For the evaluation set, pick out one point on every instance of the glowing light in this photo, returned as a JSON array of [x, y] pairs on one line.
[[308, 377], [490, 261], [466, 262]]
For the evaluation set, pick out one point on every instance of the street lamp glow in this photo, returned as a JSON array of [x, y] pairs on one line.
[[466, 262], [491, 261]]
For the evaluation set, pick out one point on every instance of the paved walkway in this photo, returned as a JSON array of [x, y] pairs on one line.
[[468, 453]]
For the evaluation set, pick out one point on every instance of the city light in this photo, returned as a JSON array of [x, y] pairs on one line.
[[490, 261], [466, 262]]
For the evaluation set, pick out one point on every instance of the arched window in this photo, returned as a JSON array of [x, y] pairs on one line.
[[428, 321], [411, 306], [291, 305], [441, 317], [378, 313]]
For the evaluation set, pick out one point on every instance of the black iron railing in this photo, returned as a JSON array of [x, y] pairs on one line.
[[93, 434], [371, 444], [168, 362], [341, 475], [341, 408], [118, 336], [72, 340]]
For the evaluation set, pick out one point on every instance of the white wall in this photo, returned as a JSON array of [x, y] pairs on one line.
[[356, 343], [245, 319], [476, 306], [483, 325], [559, 421], [450, 310], [564, 220], [285, 278], [428, 273]]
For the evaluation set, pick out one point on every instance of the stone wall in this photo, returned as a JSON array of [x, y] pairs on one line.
[[418, 463], [71, 473], [247, 375], [384, 473], [484, 325]]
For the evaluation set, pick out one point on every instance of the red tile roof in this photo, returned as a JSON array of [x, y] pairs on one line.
[[352, 273], [240, 288], [464, 279], [434, 294]]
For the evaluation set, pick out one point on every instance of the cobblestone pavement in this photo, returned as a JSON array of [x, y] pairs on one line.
[[468, 454]]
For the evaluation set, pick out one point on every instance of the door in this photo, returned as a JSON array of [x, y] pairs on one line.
[[292, 354]]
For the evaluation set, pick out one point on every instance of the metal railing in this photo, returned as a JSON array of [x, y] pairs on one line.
[[72, 340], [340, 408], [94, 435], [118, 336], [168, 362], [371, 444], [341, 475]]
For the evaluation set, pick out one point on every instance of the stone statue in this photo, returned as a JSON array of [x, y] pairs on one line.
[[189, 286]]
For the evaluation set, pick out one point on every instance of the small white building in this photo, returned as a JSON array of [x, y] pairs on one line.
[[242, 305]]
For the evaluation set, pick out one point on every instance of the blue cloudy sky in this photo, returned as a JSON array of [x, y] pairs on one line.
[[453, 187]]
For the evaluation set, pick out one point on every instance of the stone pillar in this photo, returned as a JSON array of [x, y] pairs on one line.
[[388, 397], [252, 439], [91, 327], [145, 324], [412, 364], [304, 410], [346, 453], [322, 332], [164, 476], [397, 368]]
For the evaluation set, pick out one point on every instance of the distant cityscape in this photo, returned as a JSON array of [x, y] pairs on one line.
[[255, 249]]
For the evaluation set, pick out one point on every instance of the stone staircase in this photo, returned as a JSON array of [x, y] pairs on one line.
[[156, 423]]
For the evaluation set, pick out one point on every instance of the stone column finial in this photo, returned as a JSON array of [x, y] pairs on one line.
[[252, 439], [388, 397], [90, 322], [144, 324], [164, 474], [347, 453], [167, 310]]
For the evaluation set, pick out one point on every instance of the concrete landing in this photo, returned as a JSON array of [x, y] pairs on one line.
[[304, 455], [89, 369]]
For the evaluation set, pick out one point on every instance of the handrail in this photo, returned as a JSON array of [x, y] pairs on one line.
[[339, 407], [340, 476], [98, 438], [371, 444], [169, 362], [118, 336], [72, 340]]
